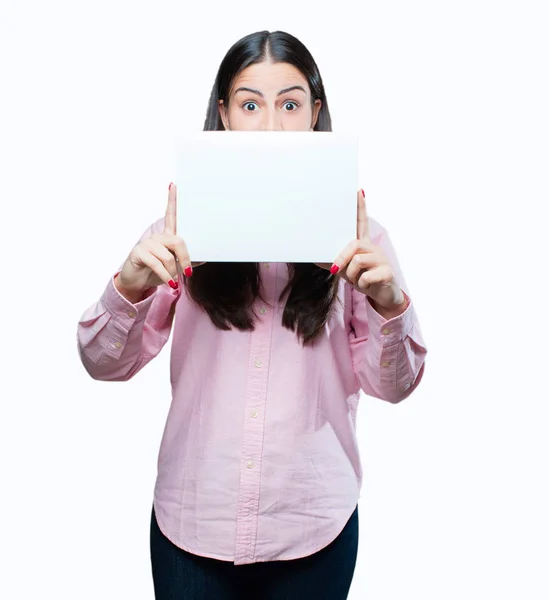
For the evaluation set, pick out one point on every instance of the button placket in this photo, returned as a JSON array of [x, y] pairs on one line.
[[254, 423]]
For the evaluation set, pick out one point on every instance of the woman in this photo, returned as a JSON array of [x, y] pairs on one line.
[[258, 471]]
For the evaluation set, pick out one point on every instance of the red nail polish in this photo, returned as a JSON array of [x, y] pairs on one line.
[[334, 269], [173, 284], [363, 192], [188, 271]]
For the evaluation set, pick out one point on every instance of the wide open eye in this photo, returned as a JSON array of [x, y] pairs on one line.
[[290, 106]]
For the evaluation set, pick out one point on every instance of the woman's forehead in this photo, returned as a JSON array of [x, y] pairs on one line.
[[270, 77]]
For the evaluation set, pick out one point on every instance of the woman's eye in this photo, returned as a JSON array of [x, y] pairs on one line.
[[250, 106], [290, 106]]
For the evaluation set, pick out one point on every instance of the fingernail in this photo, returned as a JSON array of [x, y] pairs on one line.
[[334, 269], [170, 186], [363, 192], [173, 284], [188, 271]]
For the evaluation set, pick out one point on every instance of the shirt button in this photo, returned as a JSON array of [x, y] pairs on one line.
[[385, 364], [263, 311], [258, 363], [249, 464], [267, 266], [385, 331], [254, 414], [117, 345], [131, 314]]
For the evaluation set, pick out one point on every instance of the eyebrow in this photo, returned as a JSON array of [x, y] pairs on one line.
[[286, 90]]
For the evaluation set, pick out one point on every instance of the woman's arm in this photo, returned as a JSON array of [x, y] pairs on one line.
[[388, 354], [117, 338]]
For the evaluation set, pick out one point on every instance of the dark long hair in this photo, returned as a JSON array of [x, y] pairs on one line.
[[226, 291]]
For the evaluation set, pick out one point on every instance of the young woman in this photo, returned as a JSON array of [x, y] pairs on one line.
[[258, 470]]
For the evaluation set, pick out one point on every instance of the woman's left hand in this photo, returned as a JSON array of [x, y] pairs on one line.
[[364, 265]]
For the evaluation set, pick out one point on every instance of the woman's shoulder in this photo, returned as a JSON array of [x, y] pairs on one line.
[[158, 225], [376, 230], [155, 227]]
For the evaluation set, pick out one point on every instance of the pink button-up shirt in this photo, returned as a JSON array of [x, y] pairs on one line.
[[259, 458]]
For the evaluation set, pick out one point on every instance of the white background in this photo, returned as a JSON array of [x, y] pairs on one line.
[[451, 102]]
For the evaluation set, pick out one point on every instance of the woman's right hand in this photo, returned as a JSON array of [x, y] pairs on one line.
[[158, 259]]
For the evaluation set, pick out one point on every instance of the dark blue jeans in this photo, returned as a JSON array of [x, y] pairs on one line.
[[325, 575]]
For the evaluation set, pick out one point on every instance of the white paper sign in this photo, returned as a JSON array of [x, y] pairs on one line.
[[266, 196]]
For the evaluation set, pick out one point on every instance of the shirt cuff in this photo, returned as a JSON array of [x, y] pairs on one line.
[[126, 313], [390, 331]]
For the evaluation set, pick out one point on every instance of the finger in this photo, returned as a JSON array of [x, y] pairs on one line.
[[353, 248], [166, 257], [360, 263], [156, 265], [177, 247], [170, 217], [362, 217], [373, 276]]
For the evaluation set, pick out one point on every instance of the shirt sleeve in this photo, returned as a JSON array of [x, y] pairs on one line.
[[116, 338], [388, 355]]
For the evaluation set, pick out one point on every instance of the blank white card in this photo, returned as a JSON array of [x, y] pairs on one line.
[[266, 196]]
